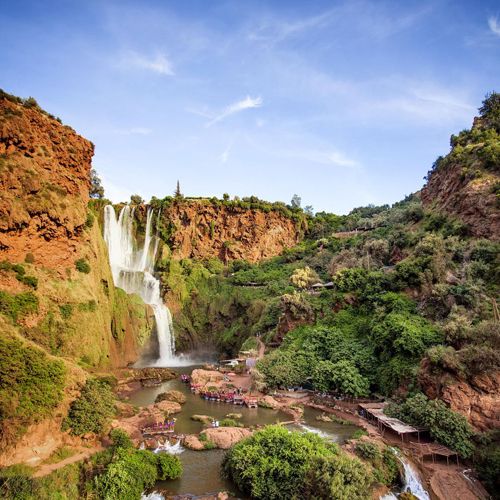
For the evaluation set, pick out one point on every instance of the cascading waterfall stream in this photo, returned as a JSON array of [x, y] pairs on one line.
[[412, 482], [132, 270]]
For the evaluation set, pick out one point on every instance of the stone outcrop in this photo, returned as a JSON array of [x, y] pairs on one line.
[[225, 437], [467, 192], [202, 230], [175, 396], [148, 415], [206, 378], [220, 437], [46, 227], [477, 399], [44, 186]]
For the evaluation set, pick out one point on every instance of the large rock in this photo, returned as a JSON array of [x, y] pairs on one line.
[[477, 399], [153, 374], [192, 442], [205, 378], [148, 415], [269, 402], [175, 396], [225, 437]]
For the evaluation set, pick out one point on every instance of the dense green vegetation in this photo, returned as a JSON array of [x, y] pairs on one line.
[[16, 306], [31, 386], [93, 409], [17, 483], [446, 426], [119, 472], [277, 464], [128, 471]]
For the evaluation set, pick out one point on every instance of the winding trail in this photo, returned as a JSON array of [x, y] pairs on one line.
[[84, 453], [262, 348]]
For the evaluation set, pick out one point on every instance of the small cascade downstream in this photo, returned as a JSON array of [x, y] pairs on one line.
[[412, 481], [132, 269]]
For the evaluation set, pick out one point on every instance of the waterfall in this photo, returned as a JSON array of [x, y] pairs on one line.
[[173, 449], [412, 481], [132, 270]]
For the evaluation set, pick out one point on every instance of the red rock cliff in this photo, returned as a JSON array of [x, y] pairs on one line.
[[462, 187], [44, 186], [203, 230]]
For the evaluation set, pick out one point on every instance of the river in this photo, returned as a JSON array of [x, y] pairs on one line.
[[202, 468]]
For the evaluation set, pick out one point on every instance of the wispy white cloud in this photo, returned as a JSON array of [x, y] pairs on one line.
[[327, 156], [275, 30], [246, 103], [339, 159], [494, 25], [225, 154], [159, 63]]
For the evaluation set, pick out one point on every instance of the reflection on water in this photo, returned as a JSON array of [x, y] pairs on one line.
[[202, 468]]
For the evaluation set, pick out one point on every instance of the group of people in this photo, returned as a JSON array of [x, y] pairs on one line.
[[215, 423]]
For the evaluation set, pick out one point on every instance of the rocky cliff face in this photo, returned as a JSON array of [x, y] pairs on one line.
[[465, 183], [477, 399], [56, 287], [44, 186], [202, 230]]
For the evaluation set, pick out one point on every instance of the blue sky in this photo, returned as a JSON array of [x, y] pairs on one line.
[[344, 103]]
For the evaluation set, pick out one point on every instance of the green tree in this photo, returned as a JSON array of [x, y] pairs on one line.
[[92, 410], [337, 477], [177, 192], [274, 462], [136, 199], [296, 201], [342, 377], [96, 189], [445, 425]]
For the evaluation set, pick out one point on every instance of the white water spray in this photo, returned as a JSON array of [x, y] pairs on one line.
[[173, 449], [412, 481], [132, 270]]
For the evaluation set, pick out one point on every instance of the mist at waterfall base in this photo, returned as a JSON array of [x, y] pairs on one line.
[[132, 268]]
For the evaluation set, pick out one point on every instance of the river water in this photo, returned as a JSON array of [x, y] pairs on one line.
[[202, 468]]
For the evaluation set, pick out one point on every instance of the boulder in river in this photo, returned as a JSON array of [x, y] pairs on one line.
[[192, 442], [175, 396], [225, 437], [205, 378], [204, 419]]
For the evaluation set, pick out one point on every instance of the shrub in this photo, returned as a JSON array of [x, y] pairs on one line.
[[66, 310], [17, 306], [90, 219], [229, 422], [30, 258], [31, 281], [82, 266], [368, 451], [337, 477], [342, 377], [91, 411], [31, 385], [358, 433], [277, 464], [168, 466], [445, 425]]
